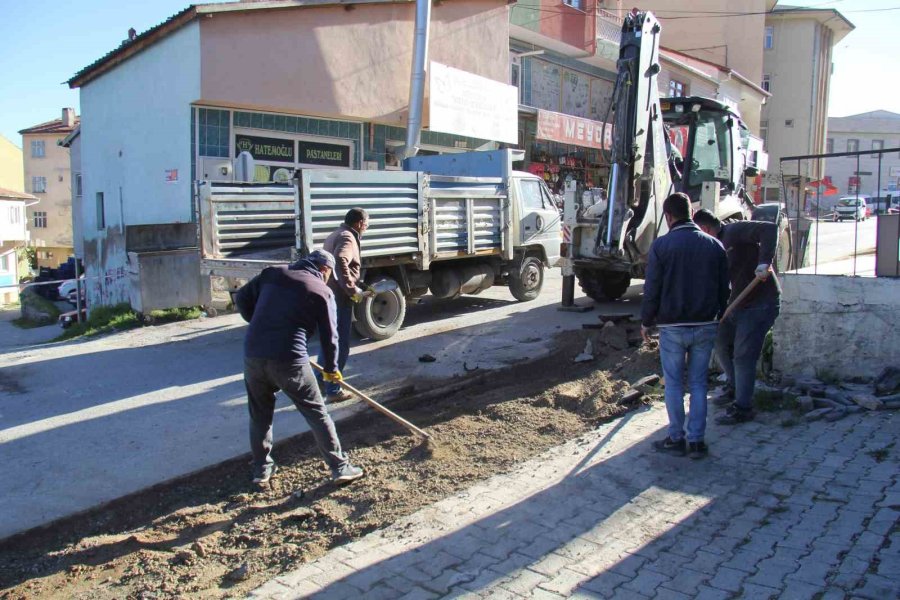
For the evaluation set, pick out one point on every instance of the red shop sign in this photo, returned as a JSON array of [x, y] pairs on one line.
[[576, 131]]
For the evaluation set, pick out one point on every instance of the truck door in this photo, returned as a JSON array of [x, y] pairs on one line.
[[539, 218]]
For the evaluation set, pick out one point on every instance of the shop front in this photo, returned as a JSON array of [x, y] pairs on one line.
[[560, 148]]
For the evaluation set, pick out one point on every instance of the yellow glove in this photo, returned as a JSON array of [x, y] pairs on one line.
[[370, 292], [334, 377], [356, 298]]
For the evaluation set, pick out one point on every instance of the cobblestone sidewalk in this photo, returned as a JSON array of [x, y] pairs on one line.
[[810, 511]]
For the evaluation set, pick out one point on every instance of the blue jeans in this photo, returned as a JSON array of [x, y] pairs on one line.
[[739, 345], [344, 322], [689, 346]]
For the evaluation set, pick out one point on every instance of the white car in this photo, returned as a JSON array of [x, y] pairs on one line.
[[850, 207], [67, 290]]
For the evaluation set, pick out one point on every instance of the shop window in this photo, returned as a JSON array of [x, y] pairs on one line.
[[531, 194], [37, 149], [214, 133], [677, 89], [40, 219]]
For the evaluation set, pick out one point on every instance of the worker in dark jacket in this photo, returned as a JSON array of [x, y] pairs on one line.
[[285, 306], [751, 248], [685, 292], [344, 244]]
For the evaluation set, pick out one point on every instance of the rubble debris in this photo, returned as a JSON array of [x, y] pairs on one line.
[[615, 317], [427, 358], [614, 337], [815, 415], [587, 354], [826, 403], [630, 395], [836, 415], [239, 574], [805, 403], [888, 382]]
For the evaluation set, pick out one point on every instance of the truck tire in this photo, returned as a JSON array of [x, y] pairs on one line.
[[526, 282], [380, 317], [603, 286]]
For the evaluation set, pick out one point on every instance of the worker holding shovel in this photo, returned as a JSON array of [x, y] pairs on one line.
[[285, 306], [754, 305]]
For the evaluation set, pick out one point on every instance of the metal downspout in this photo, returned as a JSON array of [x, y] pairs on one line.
[[417, 78]]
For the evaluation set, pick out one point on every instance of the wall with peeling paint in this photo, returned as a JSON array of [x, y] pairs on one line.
[[846, 326], [136, 151]]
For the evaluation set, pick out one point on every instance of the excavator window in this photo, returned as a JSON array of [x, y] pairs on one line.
[[711, 150]]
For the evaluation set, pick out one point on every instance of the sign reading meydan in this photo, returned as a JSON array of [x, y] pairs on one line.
[[465, 104], [264, 148], [576, 131]]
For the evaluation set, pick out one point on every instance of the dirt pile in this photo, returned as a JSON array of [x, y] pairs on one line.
[[213, 535]]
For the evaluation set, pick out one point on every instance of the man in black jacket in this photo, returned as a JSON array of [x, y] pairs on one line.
[[751, 248], [285, 306], [685, 291]]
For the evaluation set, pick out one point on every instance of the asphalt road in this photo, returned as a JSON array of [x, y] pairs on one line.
[[82, 423]]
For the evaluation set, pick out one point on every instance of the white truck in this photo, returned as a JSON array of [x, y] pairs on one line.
[[453, 224]]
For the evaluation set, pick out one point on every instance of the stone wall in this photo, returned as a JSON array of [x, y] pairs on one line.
[[841, 326]]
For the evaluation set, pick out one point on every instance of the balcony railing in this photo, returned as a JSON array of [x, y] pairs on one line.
[[609, 26]]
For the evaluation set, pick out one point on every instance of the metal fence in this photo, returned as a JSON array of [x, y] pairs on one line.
[[834, 202]]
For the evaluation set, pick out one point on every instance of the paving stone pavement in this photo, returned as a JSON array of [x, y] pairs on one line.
[[802, 512]]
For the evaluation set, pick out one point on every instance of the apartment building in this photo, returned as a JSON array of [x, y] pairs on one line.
[[797, 65], [876, 130], [48, 178]]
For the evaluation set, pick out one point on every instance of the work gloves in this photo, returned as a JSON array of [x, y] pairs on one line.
[[762, 271], [332, 377], [369, 292]]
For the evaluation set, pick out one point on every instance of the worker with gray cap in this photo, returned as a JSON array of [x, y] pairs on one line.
[[285, 306]]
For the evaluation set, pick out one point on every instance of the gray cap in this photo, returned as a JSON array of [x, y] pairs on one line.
[[321, 258]]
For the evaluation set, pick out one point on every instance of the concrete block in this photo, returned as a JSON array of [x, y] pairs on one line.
[[836, 415]]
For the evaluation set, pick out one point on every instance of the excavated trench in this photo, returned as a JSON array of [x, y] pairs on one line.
[[213, 534]]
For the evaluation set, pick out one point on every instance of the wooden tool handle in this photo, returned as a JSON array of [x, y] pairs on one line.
[[740, 298], [392, 415]]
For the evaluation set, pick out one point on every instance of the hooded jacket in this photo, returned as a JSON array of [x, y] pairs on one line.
[[344, 244], [285, 306]]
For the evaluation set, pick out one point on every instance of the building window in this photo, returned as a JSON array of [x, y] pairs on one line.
[[877, 145], [573, 3], [37, 149], [769, 39], [677, 89], [101, 212], [829, 145], [764, 132], [788, 122], [5, 263], [767, 82], [78, 185], [40, 219], [38, 185], [852, 145]]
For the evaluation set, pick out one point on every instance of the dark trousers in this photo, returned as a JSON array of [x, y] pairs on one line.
[[739, 344], [344, 324], [264, 377]]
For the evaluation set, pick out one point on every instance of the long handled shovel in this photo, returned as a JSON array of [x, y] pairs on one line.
[[737, 301], [392, 415]]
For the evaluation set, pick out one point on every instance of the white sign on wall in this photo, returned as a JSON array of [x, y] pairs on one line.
[[465, 104]]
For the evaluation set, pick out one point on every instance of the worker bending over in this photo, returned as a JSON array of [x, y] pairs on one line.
[[750, 246], [285, 306]]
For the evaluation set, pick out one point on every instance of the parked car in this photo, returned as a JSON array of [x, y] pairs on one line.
[[67, 290], [851, 207]]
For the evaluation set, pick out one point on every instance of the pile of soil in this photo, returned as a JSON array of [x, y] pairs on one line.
[[214, 534]]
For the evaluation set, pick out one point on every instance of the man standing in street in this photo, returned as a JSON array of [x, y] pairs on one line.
[[685, 291], [285, 306], [344, 244], [751, 247]]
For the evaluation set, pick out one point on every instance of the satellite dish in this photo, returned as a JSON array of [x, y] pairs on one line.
[[244, 167]]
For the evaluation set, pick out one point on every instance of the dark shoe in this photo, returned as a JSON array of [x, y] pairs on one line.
[[346, 474], [264, 474], [735, 415], [697, 450], [677, 447], [341, 396], [722, 397]]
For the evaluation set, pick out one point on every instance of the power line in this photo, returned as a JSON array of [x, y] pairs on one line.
[[721, 14]]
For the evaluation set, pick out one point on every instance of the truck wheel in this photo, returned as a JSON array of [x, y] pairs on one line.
[[526, 282], [603, 286], [380, 317]]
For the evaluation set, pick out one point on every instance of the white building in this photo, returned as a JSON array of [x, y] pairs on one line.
[[876, 130], [13, 235]]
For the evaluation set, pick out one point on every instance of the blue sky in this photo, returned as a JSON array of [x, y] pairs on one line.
[[44, 42]]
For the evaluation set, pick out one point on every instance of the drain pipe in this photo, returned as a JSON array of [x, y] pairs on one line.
[[417, 78]]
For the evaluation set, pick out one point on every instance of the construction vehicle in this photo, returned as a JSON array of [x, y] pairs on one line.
[[694, 145], [452, 225]]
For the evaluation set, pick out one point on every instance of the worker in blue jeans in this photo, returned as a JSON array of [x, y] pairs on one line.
[[750, 246], [685, 292]]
